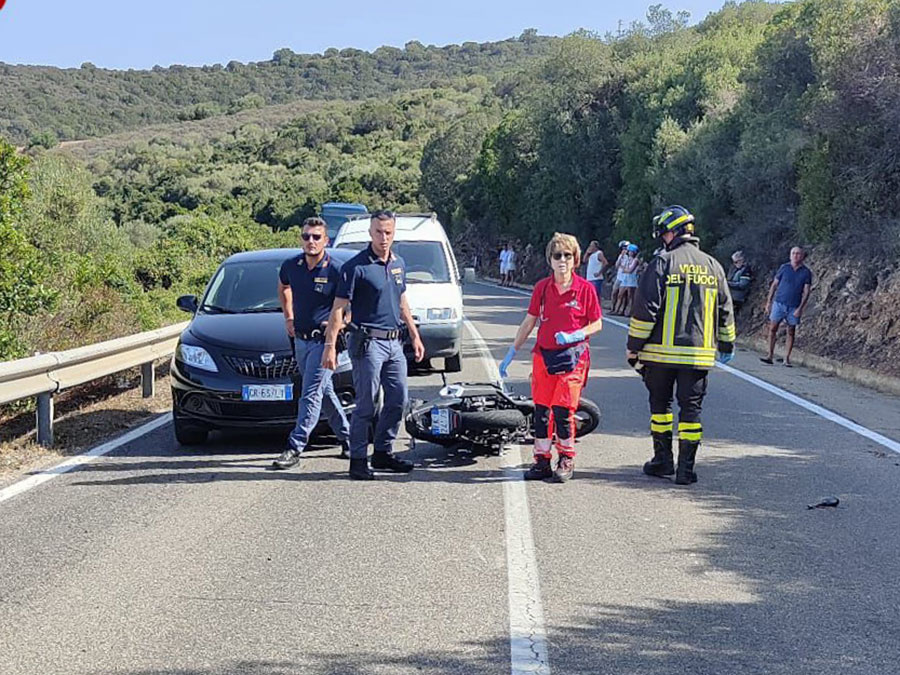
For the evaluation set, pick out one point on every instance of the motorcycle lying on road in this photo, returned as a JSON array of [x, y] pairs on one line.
[[484, 415]]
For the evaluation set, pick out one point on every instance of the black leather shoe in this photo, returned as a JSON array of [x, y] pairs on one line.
[[359, 469], [287, 459], [385, 461], [345, 450], [540, 470]]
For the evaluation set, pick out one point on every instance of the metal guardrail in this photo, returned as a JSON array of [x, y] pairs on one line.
[[46, 374]]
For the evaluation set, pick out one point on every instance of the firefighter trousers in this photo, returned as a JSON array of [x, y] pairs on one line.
[[689, 387]]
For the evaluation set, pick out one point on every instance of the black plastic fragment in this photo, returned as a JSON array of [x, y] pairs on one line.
[[825, 503]]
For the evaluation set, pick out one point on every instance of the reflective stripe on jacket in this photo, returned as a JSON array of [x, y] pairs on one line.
[[682, 311]]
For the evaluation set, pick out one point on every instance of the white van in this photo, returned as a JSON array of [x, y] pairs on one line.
[[432, 279]]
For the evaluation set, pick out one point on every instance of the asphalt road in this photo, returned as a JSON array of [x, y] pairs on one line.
[[201, 561]]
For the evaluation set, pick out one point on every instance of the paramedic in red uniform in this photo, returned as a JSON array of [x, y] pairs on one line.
[[566, 310]]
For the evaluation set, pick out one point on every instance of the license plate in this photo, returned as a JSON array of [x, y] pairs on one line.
[[440, 421], [267, 392]]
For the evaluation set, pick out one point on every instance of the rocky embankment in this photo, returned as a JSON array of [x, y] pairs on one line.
[[853, 315]]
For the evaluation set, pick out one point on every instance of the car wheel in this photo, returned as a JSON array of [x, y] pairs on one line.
[[453, 364], [189, 434]]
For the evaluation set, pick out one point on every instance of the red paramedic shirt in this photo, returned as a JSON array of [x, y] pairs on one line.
[[570, 311]]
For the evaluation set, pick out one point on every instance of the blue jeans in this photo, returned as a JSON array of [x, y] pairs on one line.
[[377, 364], [598, 286], [317, 393]]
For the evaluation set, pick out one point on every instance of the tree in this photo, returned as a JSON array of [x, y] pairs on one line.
[[448, 162], [43, 139], [22, 291]]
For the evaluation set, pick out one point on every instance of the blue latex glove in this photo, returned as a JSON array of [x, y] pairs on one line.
[[504, 364], [723, 358], [570, 338]]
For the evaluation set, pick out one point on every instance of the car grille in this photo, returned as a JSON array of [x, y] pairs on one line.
[[234, 409], [281, 367]]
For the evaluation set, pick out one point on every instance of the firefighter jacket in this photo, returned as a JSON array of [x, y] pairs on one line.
[[682, 312]]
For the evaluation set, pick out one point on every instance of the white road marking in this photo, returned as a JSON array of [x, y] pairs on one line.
[[85, 458], [883, 441], [528, 651], [848, 424]]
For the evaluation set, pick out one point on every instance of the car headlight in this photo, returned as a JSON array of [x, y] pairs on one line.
[[197, 357], [441, 313]]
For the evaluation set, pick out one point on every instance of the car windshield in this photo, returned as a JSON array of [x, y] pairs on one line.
[[242, 288], [425, 260]]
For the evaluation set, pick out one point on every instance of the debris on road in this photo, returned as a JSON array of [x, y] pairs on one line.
[[828, 501]]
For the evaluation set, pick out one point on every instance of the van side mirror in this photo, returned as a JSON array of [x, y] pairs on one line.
[[187, 303]]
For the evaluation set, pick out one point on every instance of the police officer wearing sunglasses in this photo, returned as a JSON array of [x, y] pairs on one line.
[[306, 288], [373, 288]]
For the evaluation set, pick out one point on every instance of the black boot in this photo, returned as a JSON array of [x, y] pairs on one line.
[[663, 463], [540, 470], [687, 452], [359, 469], [385, 461]]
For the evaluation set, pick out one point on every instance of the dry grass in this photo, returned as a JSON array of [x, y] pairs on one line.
[[196, 132]]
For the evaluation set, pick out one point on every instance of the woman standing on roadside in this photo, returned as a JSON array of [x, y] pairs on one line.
[[629, 280], [567, 311]]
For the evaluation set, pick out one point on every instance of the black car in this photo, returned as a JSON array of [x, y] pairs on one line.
[[234, 366]]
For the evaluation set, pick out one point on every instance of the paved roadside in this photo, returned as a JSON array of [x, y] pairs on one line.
[[201, 561], [734, 574], [166, 560]]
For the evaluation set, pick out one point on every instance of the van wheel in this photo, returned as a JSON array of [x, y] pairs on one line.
[[453, 364]]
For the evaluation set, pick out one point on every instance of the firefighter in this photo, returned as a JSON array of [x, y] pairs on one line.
[[681, 323]]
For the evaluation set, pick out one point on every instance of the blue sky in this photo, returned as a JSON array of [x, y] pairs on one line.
[[134, 34]]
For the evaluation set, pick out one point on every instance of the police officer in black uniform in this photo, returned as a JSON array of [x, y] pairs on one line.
[[681, 318], [307, 285], [373, 288]]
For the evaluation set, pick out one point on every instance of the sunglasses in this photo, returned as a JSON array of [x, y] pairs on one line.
[[560, 255], [306, 236]]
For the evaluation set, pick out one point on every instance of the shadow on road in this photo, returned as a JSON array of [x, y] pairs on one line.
[[488, 658]]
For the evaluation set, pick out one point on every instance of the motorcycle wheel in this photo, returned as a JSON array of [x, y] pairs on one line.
[[492, 420], [587, 417]]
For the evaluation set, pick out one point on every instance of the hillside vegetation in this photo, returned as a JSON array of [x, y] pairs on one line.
[[776, 124], [41, 103], [773, 123]]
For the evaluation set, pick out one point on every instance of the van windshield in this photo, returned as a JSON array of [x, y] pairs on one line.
[[425, 260]]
